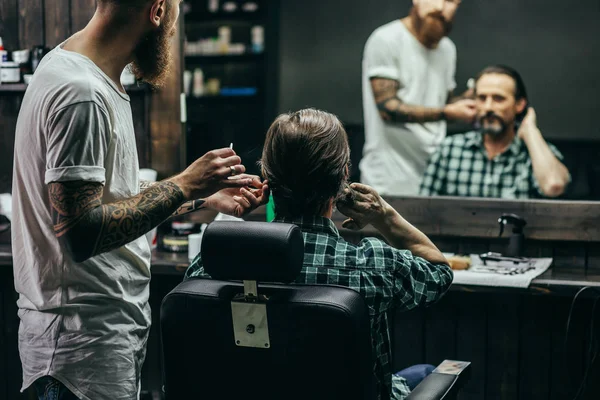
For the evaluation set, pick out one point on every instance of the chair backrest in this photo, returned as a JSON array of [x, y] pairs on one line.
[[222, 341]]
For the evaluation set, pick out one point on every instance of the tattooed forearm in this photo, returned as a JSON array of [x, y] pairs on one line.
[[71, 201], [145, 184], [189, 206], [392, 109], [87, 227]]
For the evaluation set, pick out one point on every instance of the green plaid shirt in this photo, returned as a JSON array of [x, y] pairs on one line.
[[460, 167], [386, 277]]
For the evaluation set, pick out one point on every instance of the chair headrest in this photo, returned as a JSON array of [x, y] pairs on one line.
[[258, 251]]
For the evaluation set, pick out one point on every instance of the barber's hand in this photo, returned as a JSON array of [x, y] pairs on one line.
[[209, 174], [240, 201], [462, 110], [367, 208], [528, 125]]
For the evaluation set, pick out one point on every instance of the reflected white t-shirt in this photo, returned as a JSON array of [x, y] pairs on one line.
[[395, 155], [86, 324]]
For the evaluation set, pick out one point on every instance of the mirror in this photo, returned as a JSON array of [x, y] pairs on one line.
[[554, 45]]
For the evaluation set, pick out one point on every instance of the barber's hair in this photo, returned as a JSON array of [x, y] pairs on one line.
[[520, 90], [305, 159]]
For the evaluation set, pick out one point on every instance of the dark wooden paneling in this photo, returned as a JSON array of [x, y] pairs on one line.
[[9, 108], [409, 339], [31, 23], [3, 345], [57, 21], [471, 342], [559, 370], [569, 256], [440, 330], [502, 361], [139, 103], [81, 13], [165, 119], [593, 258], [535, 347], [462, 217], [9, 26], [473, 246]]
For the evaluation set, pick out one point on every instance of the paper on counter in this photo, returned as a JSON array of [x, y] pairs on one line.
[[480, 275]]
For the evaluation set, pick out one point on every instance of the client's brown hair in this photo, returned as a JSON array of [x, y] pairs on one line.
[[305, 159]]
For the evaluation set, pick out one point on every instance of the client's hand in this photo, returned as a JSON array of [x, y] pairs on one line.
[[240, 201], [366, 207]]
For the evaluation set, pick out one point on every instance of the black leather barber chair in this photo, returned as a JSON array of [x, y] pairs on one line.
[[235, 337]]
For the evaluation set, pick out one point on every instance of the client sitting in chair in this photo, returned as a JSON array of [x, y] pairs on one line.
[[305, 160]]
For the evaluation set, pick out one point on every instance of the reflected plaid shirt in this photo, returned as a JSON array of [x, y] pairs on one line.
[[460, 167], [386, 277]]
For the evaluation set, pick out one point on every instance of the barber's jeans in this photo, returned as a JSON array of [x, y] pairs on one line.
[[415, 374], [48, 388]]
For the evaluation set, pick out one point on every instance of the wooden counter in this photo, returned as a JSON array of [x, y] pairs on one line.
[[515, 338]]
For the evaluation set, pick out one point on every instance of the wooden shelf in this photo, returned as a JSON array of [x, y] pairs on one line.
[[223, 59], [12, 87], [21, 87], [195, 17]]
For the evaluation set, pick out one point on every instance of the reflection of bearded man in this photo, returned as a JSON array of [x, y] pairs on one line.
[[431, 21], [152, 55]]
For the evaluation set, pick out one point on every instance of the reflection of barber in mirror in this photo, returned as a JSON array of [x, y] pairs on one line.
[[408, 78], [502, 158]]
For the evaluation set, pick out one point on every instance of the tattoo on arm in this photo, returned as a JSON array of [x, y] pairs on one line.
[[392, 109], [87, 227], [187, 207]]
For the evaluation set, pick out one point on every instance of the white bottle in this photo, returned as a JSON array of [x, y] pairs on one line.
[[213, 6], [187, 82], [3, 53], [198, 89], [258, 39], [224, 39]]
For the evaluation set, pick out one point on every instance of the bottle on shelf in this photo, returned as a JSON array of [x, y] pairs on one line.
[[187, 82], [250, 6], [198, 83], [230, 6], [3, 53], [213, 6], [258, 39], [224, 39]]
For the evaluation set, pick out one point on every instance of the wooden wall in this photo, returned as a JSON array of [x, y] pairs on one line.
[[27, 23]]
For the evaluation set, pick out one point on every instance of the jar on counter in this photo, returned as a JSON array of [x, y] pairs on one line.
[[10, 72], [177, 240]]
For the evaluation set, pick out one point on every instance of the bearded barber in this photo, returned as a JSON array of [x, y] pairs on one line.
[[507, 157], [81, 262], [408, 80]]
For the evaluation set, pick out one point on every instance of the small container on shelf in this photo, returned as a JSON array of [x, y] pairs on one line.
[[258, 39], [213, 6], [10, 72], [187, 82], [213, 87], [198, 83], [230, 6], [250, 6]]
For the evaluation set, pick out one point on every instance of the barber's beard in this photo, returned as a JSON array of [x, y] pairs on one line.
[[433, 27], [152, 57]]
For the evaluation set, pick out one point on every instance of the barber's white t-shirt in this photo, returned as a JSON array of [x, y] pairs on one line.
[[395, 155], [86, 324]]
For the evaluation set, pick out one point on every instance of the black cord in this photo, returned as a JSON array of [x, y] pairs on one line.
[[592, 353], [583, 289]]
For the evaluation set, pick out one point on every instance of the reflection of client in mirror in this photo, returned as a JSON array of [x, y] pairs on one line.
[[502, 158]]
